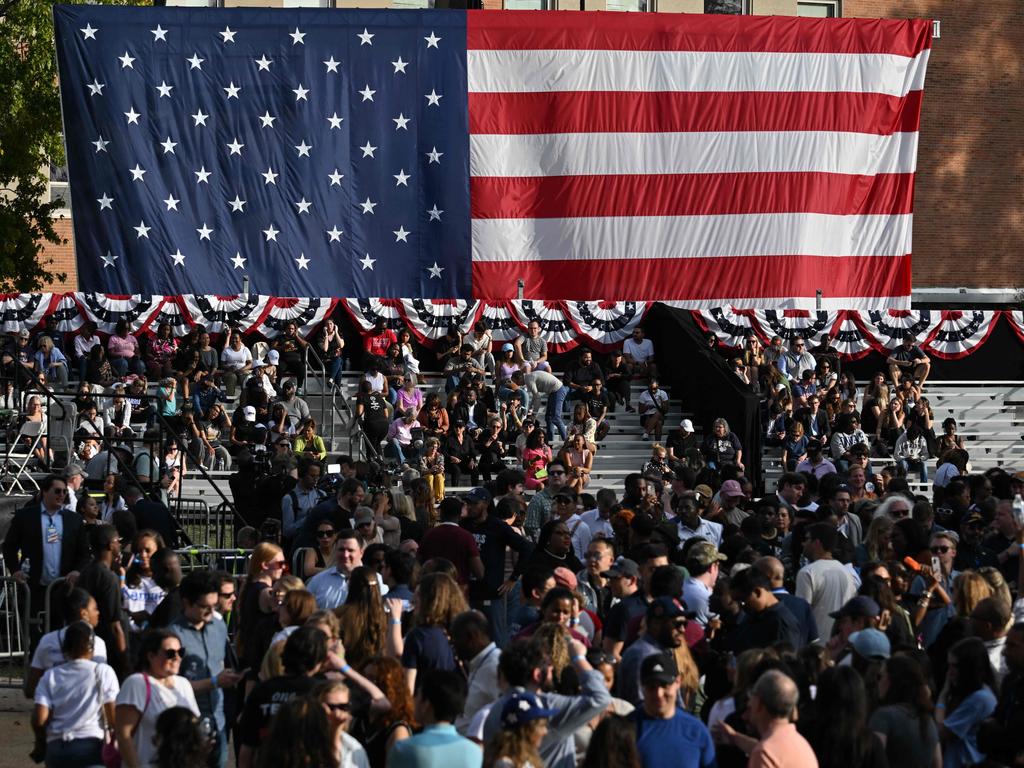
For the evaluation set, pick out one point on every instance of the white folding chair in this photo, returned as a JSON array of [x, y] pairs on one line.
[[15, 471]]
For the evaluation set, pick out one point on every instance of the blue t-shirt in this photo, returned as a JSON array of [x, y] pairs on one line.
[[963, 722], [428, 648], [681, 741]]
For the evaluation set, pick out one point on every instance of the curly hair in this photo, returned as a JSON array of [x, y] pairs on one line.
[[553, 640], [389, 676]]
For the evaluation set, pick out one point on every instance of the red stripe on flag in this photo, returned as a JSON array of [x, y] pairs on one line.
[[627, 112], [597, 30], [700, 279], [559, 197]]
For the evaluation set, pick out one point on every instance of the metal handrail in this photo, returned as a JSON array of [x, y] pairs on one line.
[[309, 351]]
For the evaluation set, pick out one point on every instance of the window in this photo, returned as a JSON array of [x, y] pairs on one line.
[[529, 5], [60, 190], [306, 3], [733, 7], [631, 5], [819, 9]]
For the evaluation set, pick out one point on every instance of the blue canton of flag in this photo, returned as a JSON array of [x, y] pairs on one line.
[[320, 153]]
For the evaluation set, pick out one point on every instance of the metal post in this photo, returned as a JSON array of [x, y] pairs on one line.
[[245, 285], [520, 287], [817, 299]]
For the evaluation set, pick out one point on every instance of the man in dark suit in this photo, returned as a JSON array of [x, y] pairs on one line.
[[46, 541], [152, 515]]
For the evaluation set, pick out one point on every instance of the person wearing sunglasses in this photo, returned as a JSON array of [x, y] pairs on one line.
[[933, 590], [156, 687], [46, 541]]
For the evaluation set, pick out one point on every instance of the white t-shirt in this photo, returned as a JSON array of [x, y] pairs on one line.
[[352, 753], [599, 527], [133, 694], [641, 352], [144, 597], [49, 653], [74, 692], [232, 360], [827, 585]]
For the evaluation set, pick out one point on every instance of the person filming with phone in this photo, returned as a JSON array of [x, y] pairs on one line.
[[933, 587]]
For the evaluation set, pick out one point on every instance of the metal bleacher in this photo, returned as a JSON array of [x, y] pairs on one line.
[[990, 417]]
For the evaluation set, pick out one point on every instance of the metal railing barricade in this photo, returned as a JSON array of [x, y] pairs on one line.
[[231, 561], [15, 606]]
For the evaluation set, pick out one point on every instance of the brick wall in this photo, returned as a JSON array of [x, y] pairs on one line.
[[63, 258], [968, 212]]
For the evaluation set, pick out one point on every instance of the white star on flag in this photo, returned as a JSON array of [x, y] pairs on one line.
[[399, 65], [267, 120], [137, 172], [195, 62], [142, 230], [303, 148], [200, 119], [172, 203], [270, 233], [228, 35], [401, 122], [95, 87], [303, 205], [168, 145], [434, 156], [232, 90], [204, 232], [263, 63], [401, 234], [433, 40], [235, 146], [433, 98], [164, 89], [335, 121], [365, 37], [89, 33], [298, 37], [435, 271], [126, 61], [133, 116], [300, 93], [335, 234], [238, 261], [366, 93], [202, 175], [367, 262], [101, 144], [302, 261], [332, 65], [179, 258], [269, 177], [368, 206], [402, 178], [105, 202], [109, 259], [368, 149], [159, 33], [237, 204], [435, 214], [335, 178]]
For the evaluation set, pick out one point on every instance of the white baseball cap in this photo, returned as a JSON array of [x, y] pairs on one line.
[[273, 357], [249, 413], [686, 425]]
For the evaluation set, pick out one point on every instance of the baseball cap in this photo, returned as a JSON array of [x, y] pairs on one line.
[[74, 470], [704, 491], [249, 413], [363, 516], [478, 494], [974, 519], [523, 707], [730, 488], [687, 425], [871, 644], [273, 357], [705, 553], [507, 347], [667, 607], [23, 334], [623, 566], [565, 578], [659, 669], [813, 445], [859, 607]]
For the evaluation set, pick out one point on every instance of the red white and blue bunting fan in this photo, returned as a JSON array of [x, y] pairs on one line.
[[555, 327], [727, 324], [307, 314], [501, 320], [791, 323], [215, 313], [429, 319], [24, 310], [1015, 318], [887, 329], [605, 323], [366, 312], [960, 333], [67, 312], [173, 313], [106, 310], [848, 336]]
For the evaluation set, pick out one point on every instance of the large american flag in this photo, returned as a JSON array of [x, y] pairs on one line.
[[705, 160]]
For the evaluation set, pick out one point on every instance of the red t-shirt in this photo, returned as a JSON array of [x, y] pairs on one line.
[[452, 543], [377, 344]]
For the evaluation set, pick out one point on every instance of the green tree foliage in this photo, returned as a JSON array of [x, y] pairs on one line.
[[30, 139]]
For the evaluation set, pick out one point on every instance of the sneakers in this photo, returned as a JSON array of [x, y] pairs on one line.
[[645, 437], [630, 408]]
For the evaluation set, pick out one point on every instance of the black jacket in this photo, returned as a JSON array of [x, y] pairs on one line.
[[157, 517], [26, 536]]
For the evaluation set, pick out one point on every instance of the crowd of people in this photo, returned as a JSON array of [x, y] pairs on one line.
[[680, 620]]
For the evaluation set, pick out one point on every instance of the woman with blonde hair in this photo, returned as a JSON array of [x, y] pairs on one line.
[[877, 544], [437, 601], [362, 617], [51, 362], [524, 724], [335, 698], [403, 508], [266, 565], [969, 589], [293, 612]]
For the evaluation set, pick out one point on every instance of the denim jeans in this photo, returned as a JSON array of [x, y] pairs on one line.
[[922, 468], [553, 414], [77, 753]]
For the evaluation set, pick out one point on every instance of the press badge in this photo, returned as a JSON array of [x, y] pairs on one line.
[[52, 537]]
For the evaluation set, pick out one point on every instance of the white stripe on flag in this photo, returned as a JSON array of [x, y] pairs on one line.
[[675, 237], [516, 71], [573, 154]]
